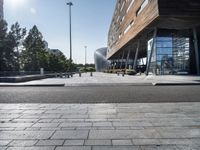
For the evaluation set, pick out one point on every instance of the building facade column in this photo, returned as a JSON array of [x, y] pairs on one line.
[[196, 50], [122, 60], [127, 58], [136, 55]]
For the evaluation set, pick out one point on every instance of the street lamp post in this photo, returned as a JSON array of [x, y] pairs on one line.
[[85, 56], [70, 34]]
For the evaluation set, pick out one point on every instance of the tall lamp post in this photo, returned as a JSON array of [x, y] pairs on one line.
[[85, 56], [70, 34]]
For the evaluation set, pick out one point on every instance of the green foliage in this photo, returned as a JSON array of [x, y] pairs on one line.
[[87, 69], [9, 46], [58, 63], [34, 56], [19, 51], [131, 72]]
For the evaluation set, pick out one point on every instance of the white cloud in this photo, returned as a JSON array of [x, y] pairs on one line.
[[33, 10]]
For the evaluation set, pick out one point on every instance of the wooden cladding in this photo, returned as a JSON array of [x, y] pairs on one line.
[[133, 17], [127, 23]]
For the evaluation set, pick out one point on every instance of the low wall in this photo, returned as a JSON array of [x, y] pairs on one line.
[[17, 79]]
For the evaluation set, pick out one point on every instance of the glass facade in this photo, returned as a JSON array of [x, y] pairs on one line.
[[170, 56]]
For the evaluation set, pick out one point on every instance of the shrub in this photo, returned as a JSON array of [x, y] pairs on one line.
[[131, 72]]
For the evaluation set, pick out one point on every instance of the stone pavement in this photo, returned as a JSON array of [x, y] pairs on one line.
[[105, 78], [164, 126]]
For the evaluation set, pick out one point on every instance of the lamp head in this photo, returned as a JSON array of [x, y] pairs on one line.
[[70, 4]]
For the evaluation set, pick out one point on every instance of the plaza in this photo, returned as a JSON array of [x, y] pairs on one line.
[[173, 126]]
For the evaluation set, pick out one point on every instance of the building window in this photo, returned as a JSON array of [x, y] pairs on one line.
[[122, 6], [129, 27], [120, 35], [122, 19], [144, 4], [171, 55], [130, 5]]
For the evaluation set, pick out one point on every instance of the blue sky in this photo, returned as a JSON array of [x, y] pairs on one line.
[[90, 23]]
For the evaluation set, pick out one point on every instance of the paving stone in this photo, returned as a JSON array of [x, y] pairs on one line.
[[49, 129], [50, 143], [45, 121], [74, 148], [75, 116], [76, 134], [27, 135], [76, 124], [123, 134], [46, 125], [23, 143], [162, 147], [102, 124], [25, 120], [122, 142], [131, 124], [15, 125], [146, 141], [4, 142], [74, 142], [169, 132], [3, 148], [116, 148], [7, 129], [188, 147], [32, 129], [179, 141], [32, 148], [98, 142]]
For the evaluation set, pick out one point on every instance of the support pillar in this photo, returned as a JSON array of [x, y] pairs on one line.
[[122, 60], [151, 52], [127, 58], [196, 50], [136, 55]]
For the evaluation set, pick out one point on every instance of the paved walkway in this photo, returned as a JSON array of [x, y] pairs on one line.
[[104, 78], [174, 126]]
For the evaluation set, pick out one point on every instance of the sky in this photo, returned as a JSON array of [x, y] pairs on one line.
[[90, 23]]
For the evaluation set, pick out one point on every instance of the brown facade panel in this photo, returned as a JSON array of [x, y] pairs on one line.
[[134, 21]]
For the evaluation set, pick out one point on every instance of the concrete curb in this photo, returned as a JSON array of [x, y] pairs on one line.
[[107, 84], [174, 84]]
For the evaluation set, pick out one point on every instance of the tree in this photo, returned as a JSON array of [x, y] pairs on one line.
[[17, 35], [58, 63], [34, 56], [9, 42], [3, 35]]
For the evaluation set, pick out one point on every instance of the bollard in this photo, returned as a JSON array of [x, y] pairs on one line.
[[123, 74], [72, 75], [118, 73], [91, 74], [79, 74], [67, 75]]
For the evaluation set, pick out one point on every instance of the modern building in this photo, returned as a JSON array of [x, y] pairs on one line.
[[160, 36], [101, 63], [1, 9]]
